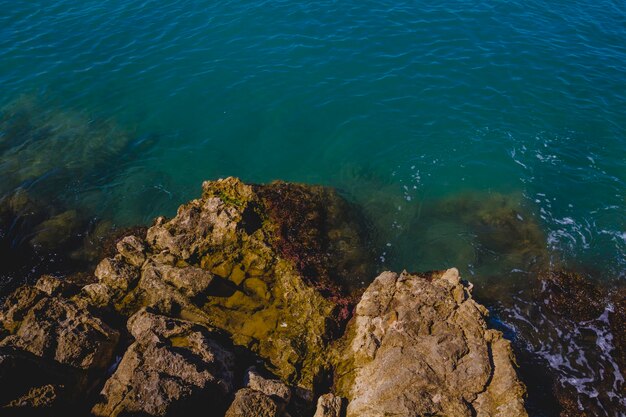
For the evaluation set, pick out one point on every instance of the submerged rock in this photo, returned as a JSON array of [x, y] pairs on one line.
[[570, 294], [500, 222], [329, 405], [493, 233], [617, 321], [54, 161], [41, 142], [57, 230], [419, 345], [38, 237], [590, 337]]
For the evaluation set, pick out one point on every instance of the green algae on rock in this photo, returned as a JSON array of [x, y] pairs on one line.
[[233, 259]]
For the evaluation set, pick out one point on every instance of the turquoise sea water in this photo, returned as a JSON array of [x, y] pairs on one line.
[[402, 105]]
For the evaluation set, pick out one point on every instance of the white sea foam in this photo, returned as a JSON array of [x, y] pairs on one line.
[[564, 344]]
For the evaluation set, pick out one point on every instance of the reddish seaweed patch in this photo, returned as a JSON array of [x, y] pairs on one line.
[[323, 235]]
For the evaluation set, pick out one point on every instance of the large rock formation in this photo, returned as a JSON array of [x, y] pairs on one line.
[[173, 367], [56, 328], [252, 275], [419, 345], [260, 262], [51, 349]]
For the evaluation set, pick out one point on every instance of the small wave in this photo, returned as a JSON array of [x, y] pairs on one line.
[[578, 353]]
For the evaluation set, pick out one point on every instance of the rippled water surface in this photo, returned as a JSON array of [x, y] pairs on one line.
[[440, 118]]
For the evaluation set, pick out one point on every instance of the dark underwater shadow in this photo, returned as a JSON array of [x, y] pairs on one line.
[[56, 165]]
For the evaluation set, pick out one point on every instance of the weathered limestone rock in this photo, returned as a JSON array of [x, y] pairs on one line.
[[329, 405], [97, 294], [52, 351], [420, 346], [117, 273], [173, 367], [50, 285], [133, 249], [189, 280], [57, 329], [252, 403], [271, 387]]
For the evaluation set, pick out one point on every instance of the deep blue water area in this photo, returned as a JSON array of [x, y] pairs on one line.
[[439, 118]]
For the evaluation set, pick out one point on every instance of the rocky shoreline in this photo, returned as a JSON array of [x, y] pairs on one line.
[[250, 302]]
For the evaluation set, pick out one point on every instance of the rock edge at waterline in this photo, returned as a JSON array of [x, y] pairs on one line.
[[240, 305]]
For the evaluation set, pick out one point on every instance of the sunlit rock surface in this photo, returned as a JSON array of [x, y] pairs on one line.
[[419, 345], [172, 320], [173, 367], [329, 405], [56, 328], [234, 260]]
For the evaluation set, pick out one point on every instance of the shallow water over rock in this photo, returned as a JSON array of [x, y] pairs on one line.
[[54, 162]]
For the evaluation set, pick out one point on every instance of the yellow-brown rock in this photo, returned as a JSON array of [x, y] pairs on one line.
[[419, 345]]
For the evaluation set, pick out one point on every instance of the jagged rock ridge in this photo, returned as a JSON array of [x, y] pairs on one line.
[[251, 276]]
